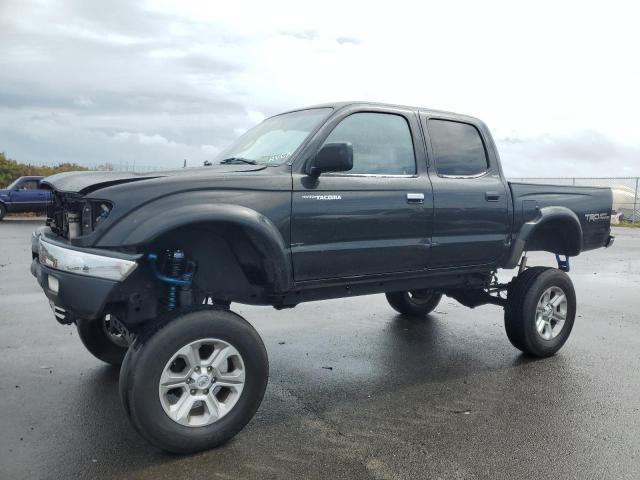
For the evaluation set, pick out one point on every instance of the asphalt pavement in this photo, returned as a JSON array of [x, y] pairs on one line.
[[355, 390]]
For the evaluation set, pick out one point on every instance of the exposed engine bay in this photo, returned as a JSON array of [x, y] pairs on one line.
[[71, 216]]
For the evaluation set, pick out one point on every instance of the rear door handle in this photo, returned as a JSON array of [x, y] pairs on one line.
[[492, 196], [415, 197]]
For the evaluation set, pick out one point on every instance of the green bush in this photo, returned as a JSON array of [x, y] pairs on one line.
[[11, 169]]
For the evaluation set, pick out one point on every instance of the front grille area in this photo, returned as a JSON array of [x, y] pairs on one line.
[[70, 216]]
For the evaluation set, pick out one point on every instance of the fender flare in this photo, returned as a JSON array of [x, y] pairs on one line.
[[546, 214], [143, 226]]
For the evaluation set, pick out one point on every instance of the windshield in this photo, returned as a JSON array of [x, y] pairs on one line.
[[273, 141], [14, 184]]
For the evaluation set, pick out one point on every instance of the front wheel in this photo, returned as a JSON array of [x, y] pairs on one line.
[[540, 311], [103, 339], [3, 211], [196, 381], [414, 302]]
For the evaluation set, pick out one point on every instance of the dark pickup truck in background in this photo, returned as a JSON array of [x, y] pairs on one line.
[[24, 195], [325, 202]]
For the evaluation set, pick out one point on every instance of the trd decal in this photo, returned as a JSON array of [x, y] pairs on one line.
[[596, 217]]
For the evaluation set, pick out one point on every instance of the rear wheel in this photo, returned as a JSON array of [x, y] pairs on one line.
[[540, 311], [196, 381], [414, 302], [103, 339]]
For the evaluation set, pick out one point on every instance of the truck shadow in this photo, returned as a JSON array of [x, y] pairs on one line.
[[398, 353]]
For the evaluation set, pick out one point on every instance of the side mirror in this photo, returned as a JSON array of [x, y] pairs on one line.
[[333, 157]]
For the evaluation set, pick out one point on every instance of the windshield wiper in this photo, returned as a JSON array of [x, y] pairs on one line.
[[231, 160]]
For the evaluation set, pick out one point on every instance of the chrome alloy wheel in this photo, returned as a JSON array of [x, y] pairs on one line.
[[202, 382], [551, 313]]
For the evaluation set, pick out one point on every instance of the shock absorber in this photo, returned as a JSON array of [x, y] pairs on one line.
[[177, 272], [176, 267]]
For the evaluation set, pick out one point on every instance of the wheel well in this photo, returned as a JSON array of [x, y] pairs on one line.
[[230, 264], [558, 235]]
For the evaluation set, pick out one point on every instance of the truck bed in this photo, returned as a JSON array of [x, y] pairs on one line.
[[592, 206]]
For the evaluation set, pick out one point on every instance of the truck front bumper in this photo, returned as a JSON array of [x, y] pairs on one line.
[[76, 281]]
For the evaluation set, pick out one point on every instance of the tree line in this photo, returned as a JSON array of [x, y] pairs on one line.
[[11, 169]]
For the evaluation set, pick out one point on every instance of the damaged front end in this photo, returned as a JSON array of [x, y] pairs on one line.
[[71, 215], [79, 282], [91, 283], [84, 279]]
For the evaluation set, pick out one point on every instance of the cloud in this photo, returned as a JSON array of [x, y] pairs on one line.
[[83, 101], [347, 40], [301, 35], [183, 79], [578, 154]]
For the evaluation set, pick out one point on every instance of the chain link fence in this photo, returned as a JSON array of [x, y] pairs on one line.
[[626, 202]]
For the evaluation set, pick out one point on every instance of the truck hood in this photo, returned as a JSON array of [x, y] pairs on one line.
[[85, 182]]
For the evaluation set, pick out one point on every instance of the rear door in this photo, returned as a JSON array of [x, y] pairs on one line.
[[375, 219], [471, 198]]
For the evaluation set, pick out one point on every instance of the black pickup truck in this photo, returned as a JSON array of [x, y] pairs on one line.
[[330, 201]]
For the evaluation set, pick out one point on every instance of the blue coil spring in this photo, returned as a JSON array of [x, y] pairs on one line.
[[181, 274], [176, 266], [172, 301]]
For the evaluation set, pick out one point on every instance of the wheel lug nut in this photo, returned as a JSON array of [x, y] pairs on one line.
[[206, 390], [189, 380], [209, 369], [193, 392], [197, 369]]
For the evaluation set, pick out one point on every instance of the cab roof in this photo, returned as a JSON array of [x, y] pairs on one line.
[[428, 111]]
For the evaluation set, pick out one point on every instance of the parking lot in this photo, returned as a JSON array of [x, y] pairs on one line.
[[355, 390]]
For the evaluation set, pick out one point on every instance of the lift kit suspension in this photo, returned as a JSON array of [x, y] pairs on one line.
[[178, 276]]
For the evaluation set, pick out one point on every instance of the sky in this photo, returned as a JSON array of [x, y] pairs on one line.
[[152, 83]]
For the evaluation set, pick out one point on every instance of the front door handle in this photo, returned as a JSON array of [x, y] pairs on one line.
[[415, 197], [492, 196]]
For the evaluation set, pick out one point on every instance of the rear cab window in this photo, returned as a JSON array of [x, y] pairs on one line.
[[458, 149]]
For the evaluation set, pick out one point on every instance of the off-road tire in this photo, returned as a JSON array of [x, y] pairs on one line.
[[99, 342], [523, 296], [410, 304], [152, 349]]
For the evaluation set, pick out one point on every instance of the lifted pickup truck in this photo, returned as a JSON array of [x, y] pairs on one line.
[[324, 202]]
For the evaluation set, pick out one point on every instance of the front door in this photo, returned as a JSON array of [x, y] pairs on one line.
[[374, 219], [25, 197]]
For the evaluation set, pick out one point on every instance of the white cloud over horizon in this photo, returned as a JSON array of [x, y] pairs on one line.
[[154, 83]]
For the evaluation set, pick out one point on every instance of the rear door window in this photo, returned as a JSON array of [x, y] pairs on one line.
[[458, 148]]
